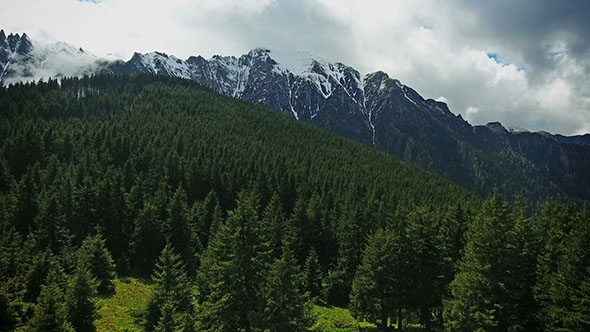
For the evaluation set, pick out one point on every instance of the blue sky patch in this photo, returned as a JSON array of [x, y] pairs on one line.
[[495, 56], [554, 54]]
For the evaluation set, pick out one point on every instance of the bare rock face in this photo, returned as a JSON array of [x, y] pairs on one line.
[[14, 49]]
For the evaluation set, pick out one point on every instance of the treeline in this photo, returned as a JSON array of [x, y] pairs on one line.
[[506, 272], [243, 217]]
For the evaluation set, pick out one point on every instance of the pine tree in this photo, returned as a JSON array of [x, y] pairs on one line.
[[50, 230], [317, 232], [85, 216], [312, 276], [26, 204], [10, 303], [13, 261], [298, 222], [80, 307], [179, 233], [172, 300], [205, 215], [528, 238], [97, 258], [559, 220], [12, 257], [111, 213], [484, 296], [230, 275], [148, 239], [167, 322], [216, 222], [350, 246], [577, 273], [37, 273], [50, 314], [273, 227], [374, 295], [285, 307], [452, 233], [564, 293], [425, 266]]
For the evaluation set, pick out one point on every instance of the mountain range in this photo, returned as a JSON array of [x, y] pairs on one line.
[[372, 108]]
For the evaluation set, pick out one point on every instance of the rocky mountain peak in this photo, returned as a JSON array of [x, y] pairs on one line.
[[25, 45], [378, 75], [496, 127], [196, 60], [13, 40], [259, 52]]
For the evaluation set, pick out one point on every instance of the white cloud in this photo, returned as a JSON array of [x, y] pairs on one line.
[[438, 48]]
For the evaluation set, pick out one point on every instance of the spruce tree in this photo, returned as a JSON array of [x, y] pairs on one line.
[[37, 273], [172, 300], [85, 214], [230, 275], [167, 321], [298, 223], [563, 288], [148, 239], [484, 296], [558, 220], [312, 276], [50, 229], [216, 222], [80, 307], [577, 273], [97, 258], [351, 241], [528, 238], [452, 230], [9, 304], [50, 313], [403, 276], [285, 307], [12, 257], [425, 266], [180, 235], [205, 217], [374, 295], [273, 227], [27, 206], [111, 213]]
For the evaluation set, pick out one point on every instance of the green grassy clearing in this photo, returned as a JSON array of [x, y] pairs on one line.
[[337, 320], [121, 311]]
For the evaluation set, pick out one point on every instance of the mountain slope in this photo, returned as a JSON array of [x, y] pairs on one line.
[[373, 109], [377, 110], [234, 144]]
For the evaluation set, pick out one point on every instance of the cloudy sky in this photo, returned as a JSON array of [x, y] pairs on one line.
[[524, 63]]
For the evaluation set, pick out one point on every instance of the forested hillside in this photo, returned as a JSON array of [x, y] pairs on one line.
[[243, 219]]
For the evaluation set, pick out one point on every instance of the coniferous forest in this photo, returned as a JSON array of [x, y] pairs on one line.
[[238, 218]]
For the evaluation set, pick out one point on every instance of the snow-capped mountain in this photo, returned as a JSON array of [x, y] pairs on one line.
[[22, 59], [378, 110], [298, 84], [370, 108]]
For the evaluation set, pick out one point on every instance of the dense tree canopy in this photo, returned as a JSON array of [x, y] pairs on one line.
[[255, 214]]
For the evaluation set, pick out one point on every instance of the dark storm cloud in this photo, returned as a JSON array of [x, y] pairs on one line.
[[537, 29]]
